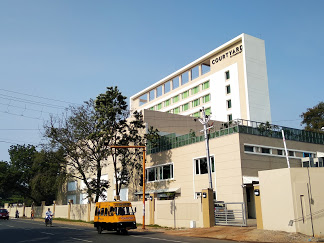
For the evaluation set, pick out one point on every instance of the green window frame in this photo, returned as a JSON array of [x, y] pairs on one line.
[[228, 89], [227, 75], [208, 111], [185, 94], [159, 106], [205, 85], [196, 114], [167, 103], [206, 98], [229, 104], [175, 99], [195, 102], [195, 90], [229, 117], [185, 107], [176, 110]]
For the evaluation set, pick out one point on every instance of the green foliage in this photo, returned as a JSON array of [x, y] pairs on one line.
[[30, 175], [313, 118]]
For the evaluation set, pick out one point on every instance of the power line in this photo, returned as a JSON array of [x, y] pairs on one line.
[[22, 115], [39, 97], [18, 129]]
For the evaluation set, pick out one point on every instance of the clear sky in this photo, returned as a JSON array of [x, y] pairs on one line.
[[54, 53]]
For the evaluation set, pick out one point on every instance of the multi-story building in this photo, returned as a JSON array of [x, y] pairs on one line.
[[230, 82]]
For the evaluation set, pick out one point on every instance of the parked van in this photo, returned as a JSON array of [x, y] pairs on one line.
[[114, 216]]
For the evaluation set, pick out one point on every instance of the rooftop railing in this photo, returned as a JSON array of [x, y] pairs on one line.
[[172, 141]]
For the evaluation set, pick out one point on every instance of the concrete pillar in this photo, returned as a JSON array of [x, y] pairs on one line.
[[24, 208], [6, 205], [258, 209], [89, 209], [152, 198], [208, 208], [200, 70], [54, 203], [43, 208], [69, 208]]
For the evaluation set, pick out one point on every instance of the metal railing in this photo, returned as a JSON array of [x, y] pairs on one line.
[[232, 213]]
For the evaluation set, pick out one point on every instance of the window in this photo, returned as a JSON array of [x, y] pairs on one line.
[[159, 106], [279, 152], [176, 110], [195, 102], [228, 89], [195, 90], [161, 172], [72, 186], [229, 117], [194, 73], [152, 95], [291, 153], [229, 104], [265, 151], [206, 98], [185, 107], [184, 78], [152, 108], [175, 83], [205, 85], [185, 94], [167, 87], [175, 99], [202, 167], [167, 103], [143, 99], [208, 111], [159, 91], [227, 75], [196, 114], [205, 67], [248, 148]]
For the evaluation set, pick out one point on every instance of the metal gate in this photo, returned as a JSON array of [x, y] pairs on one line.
[[232, 213]]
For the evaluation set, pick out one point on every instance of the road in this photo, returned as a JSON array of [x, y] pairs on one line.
[[24, 231]]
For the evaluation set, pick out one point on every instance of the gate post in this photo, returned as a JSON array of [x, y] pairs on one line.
[[152, 207], [208, 208]]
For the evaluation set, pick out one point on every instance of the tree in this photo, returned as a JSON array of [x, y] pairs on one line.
[[117, 130], [31, 175], [313, 118], [77, 133]]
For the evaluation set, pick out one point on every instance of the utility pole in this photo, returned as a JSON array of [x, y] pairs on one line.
[[286, 151], [204, 120]]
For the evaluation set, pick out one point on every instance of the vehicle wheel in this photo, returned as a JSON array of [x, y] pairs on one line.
[[99, 229]]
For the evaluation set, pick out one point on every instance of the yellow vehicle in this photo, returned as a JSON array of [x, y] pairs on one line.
[[114, 216]]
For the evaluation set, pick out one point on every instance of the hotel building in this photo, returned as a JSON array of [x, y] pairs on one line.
[[230, 82]]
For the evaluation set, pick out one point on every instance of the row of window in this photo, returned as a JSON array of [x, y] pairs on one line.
[[183, 96], [165, 172], [182, 79], [274, 151], [228, 92]]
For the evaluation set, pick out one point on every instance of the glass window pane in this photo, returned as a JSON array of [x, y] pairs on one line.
[[166, 172], [185, 94], [167, 103], [197, 166], [205, 68], [203, 166], [205, 85], [175, 83], [184, 78], [152, 95], [167, 87], [194, 73], [208, 111], [159, 91]]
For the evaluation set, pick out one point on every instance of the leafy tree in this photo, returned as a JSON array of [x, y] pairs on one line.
[[117, 130], [313, 118], [31, 175], [78, 135]]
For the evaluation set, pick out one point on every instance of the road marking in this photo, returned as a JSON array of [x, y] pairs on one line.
[[81, 239], [151, 238], [11, 226], [47, 233], [33, 240]]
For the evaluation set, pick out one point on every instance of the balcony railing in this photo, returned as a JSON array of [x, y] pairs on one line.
[[172, 141]]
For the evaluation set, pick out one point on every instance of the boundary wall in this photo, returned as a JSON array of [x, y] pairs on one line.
[[167, 213]]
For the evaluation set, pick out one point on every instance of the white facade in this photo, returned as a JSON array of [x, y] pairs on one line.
[[237, 87]]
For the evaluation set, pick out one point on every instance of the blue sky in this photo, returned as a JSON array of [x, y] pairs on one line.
[[70, 51]]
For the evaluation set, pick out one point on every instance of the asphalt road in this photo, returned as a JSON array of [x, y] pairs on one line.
[[23, 231]]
